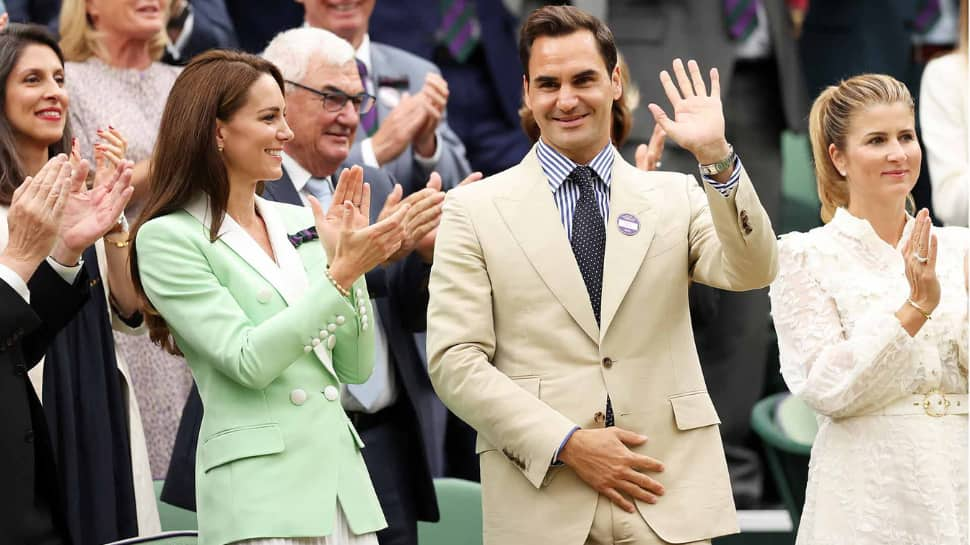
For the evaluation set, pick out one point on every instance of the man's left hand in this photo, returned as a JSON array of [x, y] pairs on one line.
[[698, 122]]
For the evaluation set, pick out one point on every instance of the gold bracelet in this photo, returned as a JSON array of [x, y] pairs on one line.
[[919, 309], [117, 243], [340, 289]]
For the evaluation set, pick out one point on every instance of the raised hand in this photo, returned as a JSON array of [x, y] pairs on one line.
[[648, 155], [36, 211], [113, 147], [91, 213], [698, 122], [400, 128]]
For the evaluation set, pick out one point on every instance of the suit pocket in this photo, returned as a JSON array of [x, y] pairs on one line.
[[693, 410], [529, 384], [242, 442]]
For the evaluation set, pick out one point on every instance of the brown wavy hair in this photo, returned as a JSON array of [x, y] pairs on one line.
[[557, 21], [186, 160], [13, 40], [829, 122]]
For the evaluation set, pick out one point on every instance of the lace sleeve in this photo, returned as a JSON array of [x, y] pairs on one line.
[[836, 374]]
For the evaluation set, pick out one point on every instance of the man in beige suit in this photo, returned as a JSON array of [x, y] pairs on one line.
[[565, 339]]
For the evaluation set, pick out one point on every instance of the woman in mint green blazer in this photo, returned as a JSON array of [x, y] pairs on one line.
[[270, 320]]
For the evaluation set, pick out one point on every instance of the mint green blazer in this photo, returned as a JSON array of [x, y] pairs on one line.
[[269, 344]]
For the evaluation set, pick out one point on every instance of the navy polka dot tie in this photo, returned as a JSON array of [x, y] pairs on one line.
[[589, 245]]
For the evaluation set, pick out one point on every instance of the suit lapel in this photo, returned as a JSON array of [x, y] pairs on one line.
[[624, 253], [532, 217], [282, 190]]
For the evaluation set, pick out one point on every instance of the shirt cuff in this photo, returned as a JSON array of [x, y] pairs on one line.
[[69, 274], [430, 162], [175, 50], [367, 153], [555, 457], [14, 281], [726, 188]]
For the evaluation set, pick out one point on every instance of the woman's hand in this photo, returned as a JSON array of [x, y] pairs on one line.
[[350, 187], [36, 211], [113, 147], [919, 255], [359, 250], [90, 214]]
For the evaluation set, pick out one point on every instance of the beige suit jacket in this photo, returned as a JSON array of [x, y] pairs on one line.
[[515, 350]]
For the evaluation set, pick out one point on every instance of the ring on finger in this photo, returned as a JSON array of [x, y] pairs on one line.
[[920, 258], [658, 164]]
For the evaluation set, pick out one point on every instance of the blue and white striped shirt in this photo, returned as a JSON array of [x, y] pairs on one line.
[[557, 168]]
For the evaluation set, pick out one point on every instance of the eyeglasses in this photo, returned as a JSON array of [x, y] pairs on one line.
[[334, 101]]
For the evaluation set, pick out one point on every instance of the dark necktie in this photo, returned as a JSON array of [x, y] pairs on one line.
[[741, 17], [589, 245], [368, 121], [459, 30]]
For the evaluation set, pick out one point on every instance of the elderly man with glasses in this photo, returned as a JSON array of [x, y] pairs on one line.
[[394, 411]]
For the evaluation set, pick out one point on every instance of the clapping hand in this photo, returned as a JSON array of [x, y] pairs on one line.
[[919, 257], [698, 122], [350, 188], [90, 213], [36, 212], [648, 155]]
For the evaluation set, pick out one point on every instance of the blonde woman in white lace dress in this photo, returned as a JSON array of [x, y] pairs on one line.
[[871, 314]]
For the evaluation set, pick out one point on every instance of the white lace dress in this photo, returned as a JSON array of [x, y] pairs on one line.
[[874, 479]]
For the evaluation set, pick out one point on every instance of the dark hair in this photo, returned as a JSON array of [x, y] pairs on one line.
[[186, 160], [13, 40], [562, 21], [557, 21]]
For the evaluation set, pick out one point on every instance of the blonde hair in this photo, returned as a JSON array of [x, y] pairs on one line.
[[80, 40], [829, 123]]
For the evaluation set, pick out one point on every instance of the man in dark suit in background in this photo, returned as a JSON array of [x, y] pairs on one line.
[[407, 134], [483, 74]]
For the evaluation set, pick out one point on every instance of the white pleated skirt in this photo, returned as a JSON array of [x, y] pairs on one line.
[[342, 535]]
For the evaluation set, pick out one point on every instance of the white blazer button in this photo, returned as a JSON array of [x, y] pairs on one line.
[[364, 326], [331, 327], [330, 392], [264, 295], [341, 320], [316, 342], [363, 310], [359, 292], [298, 397], [332, 342], [307, 348], [323, 334]]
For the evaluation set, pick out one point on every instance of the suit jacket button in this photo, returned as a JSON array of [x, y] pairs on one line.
[[607, 363], [298, 397], [331, 393], [29, 436], [263, 295]]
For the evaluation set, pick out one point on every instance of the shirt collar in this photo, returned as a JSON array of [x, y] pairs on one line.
[[363, 52], [298, 175], [557, 166]]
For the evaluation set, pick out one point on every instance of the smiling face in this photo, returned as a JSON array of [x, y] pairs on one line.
[[254, 136], [131, 19], [36, 102], [322, 139], [571, 94], [345, 18], [881, 159]]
